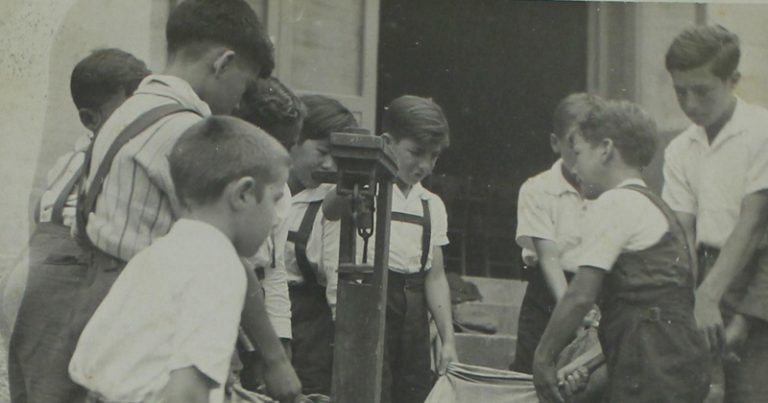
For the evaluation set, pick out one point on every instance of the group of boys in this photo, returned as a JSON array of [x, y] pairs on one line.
[[201, 231], [680, 280]]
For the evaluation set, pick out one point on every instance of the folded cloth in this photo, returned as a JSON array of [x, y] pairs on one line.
[[469, 383], [474, 318]]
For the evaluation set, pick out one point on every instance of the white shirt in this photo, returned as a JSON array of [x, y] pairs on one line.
[[277, 301], [619, 221], [405, 238], [65, 168], [176, 304], [322, 245], [710, 181], [549, 208]]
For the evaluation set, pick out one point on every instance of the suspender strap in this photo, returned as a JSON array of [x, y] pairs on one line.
[[300, 239], [426, 229], [87, 202]]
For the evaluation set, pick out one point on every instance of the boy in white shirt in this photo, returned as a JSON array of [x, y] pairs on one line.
[[167, 328], [635, 262]]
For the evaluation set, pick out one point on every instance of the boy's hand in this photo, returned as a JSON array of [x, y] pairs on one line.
[[281, 382], [447, 355], [545, 380], [709, 320], [735, 334], [573, 381]]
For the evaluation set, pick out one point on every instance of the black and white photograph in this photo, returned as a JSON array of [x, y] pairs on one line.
[[383, 201]]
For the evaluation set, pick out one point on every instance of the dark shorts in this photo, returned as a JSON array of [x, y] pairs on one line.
[[407, 376], [58, 302], [312, 344]]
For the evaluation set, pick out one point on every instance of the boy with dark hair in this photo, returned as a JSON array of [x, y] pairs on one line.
[[272, 106], [417, 131], [174, 342], [634, 261], [215, 47], [715, 179]]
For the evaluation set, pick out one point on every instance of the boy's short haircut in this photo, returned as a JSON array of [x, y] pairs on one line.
[[100, 75], [631, 129], [571, 110], [324, 116], [417, 118], [227, 22], [702, 44], [272, 106], [218, 150]]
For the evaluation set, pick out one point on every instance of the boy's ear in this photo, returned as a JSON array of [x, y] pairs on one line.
[[90, 118], [243, 190], [608, 150], [224, 61], [554, 142]]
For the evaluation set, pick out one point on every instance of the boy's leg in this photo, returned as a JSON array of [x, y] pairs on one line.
[[312, 342], [535, 312], [746, 379], [415, 378], [393, 333]]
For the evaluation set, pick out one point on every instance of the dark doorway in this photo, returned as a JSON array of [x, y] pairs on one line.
[[498, 68]]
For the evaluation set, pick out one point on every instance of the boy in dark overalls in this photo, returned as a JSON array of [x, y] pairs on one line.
[[635, 262]]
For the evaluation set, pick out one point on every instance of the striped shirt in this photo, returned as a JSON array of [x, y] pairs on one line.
[[138, 202]]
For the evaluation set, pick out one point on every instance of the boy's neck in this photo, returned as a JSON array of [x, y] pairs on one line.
[[404, 187], [714, 129], [187, 72], [570, 177], [210, 215], [295, 184], [620, 174]]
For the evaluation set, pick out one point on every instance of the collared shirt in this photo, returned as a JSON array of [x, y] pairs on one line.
[[711, 180], [64, 170], [276, 298], [176, 304], [550, 208], [322, 245], [405, 238], [138, 201], [619, 221]]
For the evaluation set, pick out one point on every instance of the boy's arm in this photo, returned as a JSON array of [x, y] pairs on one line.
[[551, 268], [566, 319], [335, 206], [739, 248], [188, 385], [279, 377], [439, 304]]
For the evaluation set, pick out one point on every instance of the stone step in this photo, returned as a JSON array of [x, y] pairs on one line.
[[504, 316], [494, 351], [499, 291]]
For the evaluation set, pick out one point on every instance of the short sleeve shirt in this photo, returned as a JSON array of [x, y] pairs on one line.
[[549, 208], [176, 304], [322, 245], [406, 238], [711, 180], [619, 221]]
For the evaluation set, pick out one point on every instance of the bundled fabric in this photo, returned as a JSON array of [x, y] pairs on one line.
[[469, 383]]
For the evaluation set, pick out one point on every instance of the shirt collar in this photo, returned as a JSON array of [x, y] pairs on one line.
[[312, 195], [632, 181], [732, 128], [558, 183], [417, 190], [173, 88]]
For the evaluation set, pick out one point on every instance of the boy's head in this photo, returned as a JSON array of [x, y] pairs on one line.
[[569, 113], [616, 138], [102, 81], [703, 62], [230, 172], [270, 105], [221, 46], [312, 152], [417, 131]]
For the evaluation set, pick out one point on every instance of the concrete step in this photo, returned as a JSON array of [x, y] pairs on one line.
[[499, 291], [494, 351]]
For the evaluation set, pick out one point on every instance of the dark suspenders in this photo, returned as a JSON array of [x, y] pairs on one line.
[[426, 229], [300, 239]]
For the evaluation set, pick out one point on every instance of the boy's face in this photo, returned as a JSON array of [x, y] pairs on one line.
[[258, 217], [589, 165], [231, 75], [703, 96], [311, 156], [562, 146], [415, 161]]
